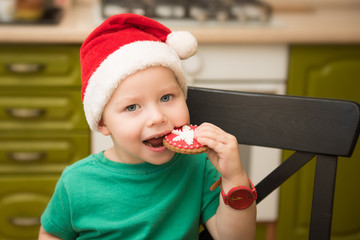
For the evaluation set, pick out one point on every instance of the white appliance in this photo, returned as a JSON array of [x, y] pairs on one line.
[[252, 68], [249, 68]]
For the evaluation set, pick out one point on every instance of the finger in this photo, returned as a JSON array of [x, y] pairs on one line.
[[214, 133], [209, 130], [211, 143]]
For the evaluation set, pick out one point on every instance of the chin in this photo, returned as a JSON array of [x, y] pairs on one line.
[[164, 157]]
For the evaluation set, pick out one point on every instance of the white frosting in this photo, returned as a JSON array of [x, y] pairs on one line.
[[186, 134]]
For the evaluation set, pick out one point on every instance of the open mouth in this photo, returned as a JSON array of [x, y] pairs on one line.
[[154, 142]]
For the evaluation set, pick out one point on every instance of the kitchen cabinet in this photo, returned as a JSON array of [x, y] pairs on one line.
[[42, 130], [326, 71]]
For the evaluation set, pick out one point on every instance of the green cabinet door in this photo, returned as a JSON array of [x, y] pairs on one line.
[[36, 110], [23, 198], [39, 65], [327, 72], [45, 153]]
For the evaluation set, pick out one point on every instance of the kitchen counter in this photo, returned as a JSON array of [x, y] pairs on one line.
[[303, 25]]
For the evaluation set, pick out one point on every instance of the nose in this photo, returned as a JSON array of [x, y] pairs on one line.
[[156, 116]]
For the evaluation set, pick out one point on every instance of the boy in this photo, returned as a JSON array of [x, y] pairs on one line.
[[134, 90]]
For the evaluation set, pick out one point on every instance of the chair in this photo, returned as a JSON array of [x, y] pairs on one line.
[[310, 126]]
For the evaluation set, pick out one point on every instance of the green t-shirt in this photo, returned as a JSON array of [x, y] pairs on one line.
[[96, 198]]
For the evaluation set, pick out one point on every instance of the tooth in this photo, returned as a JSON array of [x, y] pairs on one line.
[[149, 144]]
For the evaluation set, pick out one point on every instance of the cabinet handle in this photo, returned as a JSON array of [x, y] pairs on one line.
[[25, 112], [26, 156], [25, 67], [24, 221]]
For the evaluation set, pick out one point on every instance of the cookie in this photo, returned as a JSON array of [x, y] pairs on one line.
[[182, 140]]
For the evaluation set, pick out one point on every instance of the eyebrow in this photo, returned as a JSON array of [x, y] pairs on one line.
[[171, 87], [126, 100]]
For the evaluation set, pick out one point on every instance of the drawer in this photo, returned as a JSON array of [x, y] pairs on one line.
[[22, 201], [41, 154], [41, 110], [36, 65]]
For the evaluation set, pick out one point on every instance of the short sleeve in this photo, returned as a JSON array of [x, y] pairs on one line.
[[210, 201], [56, 218]]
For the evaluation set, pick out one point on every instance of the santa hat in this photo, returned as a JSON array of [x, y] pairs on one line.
[[123, 45]]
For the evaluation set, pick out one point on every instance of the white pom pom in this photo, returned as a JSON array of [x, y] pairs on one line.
[[183, 42]]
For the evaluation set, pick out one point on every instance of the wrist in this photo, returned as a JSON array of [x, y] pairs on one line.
[[238, 180], [239, 197]]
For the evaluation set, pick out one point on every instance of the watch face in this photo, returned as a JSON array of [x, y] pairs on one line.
[[240, 199]]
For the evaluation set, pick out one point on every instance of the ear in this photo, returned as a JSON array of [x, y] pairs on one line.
[[103, 129]]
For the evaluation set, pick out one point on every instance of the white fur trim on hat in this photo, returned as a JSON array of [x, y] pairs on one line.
[[120, 64]]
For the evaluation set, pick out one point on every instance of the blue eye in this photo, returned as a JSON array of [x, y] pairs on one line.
[[166, 98], [132, 107]]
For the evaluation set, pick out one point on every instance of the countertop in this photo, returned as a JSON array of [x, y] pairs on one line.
[[288, 26]]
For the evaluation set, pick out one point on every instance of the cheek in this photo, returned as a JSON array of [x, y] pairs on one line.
[[125, 129], [181, 115], [127, 137]]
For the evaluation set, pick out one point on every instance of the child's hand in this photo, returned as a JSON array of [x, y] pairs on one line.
[[223, 153]]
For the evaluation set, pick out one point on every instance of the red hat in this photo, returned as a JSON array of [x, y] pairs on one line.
[[123, 45]]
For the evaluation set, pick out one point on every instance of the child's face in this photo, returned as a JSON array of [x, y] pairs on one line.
[[145, 106]]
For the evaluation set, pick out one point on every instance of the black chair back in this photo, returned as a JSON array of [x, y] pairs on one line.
[[311, 127]]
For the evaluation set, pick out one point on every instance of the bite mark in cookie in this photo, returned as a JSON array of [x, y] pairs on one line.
[[182, 140]]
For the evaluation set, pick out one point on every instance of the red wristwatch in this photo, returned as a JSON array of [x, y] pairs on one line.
[[239, 197]]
